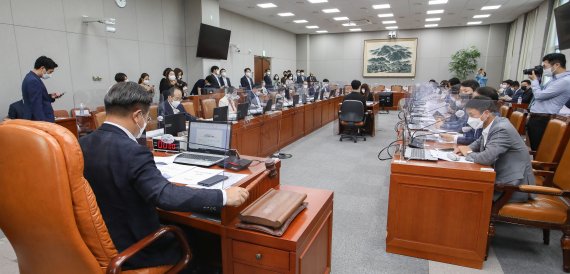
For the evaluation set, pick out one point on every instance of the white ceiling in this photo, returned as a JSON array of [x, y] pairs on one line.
[[408, 14]]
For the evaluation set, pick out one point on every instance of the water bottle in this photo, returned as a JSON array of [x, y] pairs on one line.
[[81, 109], [519, 100]]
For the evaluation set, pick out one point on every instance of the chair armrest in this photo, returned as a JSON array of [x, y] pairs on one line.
[[541, 190], [116, 263], [543, 165], [548, 176], [532, 152]]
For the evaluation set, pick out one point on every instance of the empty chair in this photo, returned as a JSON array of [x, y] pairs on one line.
[[518, 119], [61, 113], [352, 117], [99, 118], [51, 216], [505, 111], [379, 88], [396, 88], [208, 106], [553, 143], [189, 107], [100, 108]]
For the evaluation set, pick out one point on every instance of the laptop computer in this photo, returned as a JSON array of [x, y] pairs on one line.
[[316, 96], [173, 124], [419, 154], [221, 114], [304, 98], [242, 111], [279, 104], [268, 106], [322, 94], [208, 143], [295, 100]]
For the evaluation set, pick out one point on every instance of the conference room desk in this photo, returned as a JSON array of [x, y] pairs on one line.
[[304, 248], [370, 125], [439, 211], [397, 96]]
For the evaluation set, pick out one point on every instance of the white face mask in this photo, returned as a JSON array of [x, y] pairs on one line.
[[126, 80], [171, 77], [180, 77], [298, 73], [141, 129], [476, 123], [224, 74], [175, 104], [363, 90], [146, 82], [269, 73], [46, 76], [248, 74], [302, 73], [503, 86], [305, 86], [548, 72]]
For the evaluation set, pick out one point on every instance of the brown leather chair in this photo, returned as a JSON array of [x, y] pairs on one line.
[[553, 143], [379, 88], [153, 114], [505, 111], [189, 107], [208, 106], [61, 113], [550, 209], [396, 88], [100, 108], [518, 120], [99, 118], [50, 216]]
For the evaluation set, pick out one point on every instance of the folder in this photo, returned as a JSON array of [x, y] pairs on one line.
[[273, 208]]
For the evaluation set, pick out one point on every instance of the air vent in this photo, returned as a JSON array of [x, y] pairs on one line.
[[361, 22]]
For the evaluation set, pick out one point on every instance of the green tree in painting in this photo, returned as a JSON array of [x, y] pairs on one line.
[[391, 59], [464, 62]]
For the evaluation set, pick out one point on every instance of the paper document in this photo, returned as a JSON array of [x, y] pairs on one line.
[[442, 155], [197, 174]]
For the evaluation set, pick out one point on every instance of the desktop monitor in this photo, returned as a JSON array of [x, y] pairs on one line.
[[242, 111], [213, 42], [221, 114], [295, 100], [173, 124], [563, 25]]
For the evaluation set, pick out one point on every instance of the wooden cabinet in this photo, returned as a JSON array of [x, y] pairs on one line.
[[286, 132], [247, 137], [309, 120], [317, 115], [270, 134], [299, 123]]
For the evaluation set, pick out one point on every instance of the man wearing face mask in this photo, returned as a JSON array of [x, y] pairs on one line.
[[246, 81], [267, 78], [35, 97], [301, 77], [499, 146], [173, 105], [129, 187], [224, 78], [525, 93], [548, 99], [213, 78], [228, 100]]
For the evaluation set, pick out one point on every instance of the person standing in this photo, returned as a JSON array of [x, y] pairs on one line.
[[37, 101], [550, 98], [481, 77]]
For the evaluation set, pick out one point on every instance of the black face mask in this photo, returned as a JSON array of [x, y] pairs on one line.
[[465, 96], [524, 88]]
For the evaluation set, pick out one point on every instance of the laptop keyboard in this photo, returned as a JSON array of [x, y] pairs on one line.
[[417, 153], [200, 157]]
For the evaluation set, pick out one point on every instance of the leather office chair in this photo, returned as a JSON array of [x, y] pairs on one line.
[[100, 109], [61, 113], [550, 209], [153, 114], [351, 116], [506, 111], [553, 143], [99, 118], [189, 107], [51, 216], [208, 106], [379, 88], [396, 88], [518, 120]]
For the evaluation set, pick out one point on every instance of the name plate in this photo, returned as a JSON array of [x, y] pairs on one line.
[[158, 144]]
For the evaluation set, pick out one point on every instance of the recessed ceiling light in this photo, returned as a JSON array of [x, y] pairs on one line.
[[386, 15], [344, 18], [312, 27], [482, 16], [357, 29], [349, 24], [322, 31], [474, 22], [434, 11], [388, 22], [433, 19], [392, 27], [317, 1], [437, 2], [285, 14], [381, 6], [300, 21], [430, 25], [267, 5], [490, 7], [331, 10]]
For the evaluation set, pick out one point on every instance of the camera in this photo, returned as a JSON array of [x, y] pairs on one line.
[[537, 70]]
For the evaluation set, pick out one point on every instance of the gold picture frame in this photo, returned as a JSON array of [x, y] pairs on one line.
[[390, 57]]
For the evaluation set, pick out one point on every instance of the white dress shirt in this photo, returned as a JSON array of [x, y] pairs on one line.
[[485, 132]]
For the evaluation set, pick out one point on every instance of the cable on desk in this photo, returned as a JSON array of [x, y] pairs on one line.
[[387, 149]]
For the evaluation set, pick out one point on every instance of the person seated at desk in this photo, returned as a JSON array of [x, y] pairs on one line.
[[499, 146], [365, 90], [228, 100], [128, 186], [173, 105], [525, 93], [355, 94]]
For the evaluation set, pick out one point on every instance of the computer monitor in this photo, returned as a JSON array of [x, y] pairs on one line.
[[268, 106], [221, 114], [173, 124], [209, 137], [242, 111], [316, 96], [295, 100]]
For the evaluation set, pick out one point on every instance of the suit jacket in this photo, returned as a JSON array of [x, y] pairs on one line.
[[129, 187], [16, 110], [166, 109], [469, 137], [213, 80], [301, 79], [201, 83], [506, 151], [246, 84], [355, 95], [526, 96], [267, 80], [37, 101], [227, 81]]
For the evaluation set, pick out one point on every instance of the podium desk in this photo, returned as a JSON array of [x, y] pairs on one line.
[[304, 248], [439, 211]]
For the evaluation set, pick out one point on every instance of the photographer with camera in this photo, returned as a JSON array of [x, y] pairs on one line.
[[549, 99]]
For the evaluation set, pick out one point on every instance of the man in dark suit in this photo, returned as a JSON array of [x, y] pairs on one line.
[[224, 78], [129, 187], [355, 94], [246, 81], [267, 79], [37, 101], [301, 78], [213, 78], [16, 110], [173, 105], [525, 92]]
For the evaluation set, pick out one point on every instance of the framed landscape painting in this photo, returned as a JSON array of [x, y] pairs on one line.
[[390, 57]]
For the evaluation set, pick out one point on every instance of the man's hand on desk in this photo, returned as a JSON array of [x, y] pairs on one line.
[[447, 137], [236, 196], [462, 150]]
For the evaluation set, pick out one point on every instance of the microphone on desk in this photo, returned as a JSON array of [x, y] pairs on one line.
[[459, 113]]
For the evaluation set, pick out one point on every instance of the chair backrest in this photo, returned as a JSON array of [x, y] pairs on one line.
[[553, 142], [506, 111], [189, 107], [100, 108], [396, 88], [50, 215], [208, 106], [99, 118], [153, 114], [517, 119], [562, 174], [351, 111], [379, 88], [61, 113]]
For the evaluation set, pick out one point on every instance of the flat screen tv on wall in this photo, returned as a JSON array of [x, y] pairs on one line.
[[213, 42], [563, 25]]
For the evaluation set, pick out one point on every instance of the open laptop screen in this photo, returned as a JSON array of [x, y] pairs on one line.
[[209, 137]]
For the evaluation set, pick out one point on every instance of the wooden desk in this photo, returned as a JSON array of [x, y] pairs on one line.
[[304, 248], [439, 211], [70, 123], [397, 96]]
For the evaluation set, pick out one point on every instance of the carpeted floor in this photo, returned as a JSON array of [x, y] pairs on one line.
[[360, 182]]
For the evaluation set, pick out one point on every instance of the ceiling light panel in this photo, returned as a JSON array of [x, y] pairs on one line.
[[344, 18], [286, 14], [435, 11], [491, 7], [433, 19], [331, 10], [381, 6], [384, 15], [267, 5]]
